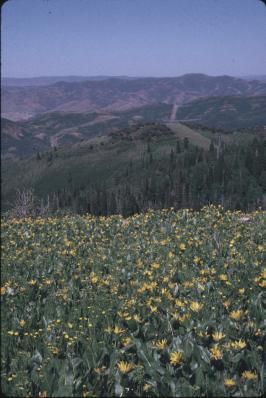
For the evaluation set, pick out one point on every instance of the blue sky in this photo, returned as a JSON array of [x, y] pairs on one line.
[[133, 37]]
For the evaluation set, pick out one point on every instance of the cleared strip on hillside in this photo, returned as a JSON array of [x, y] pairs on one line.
[[194, 137]]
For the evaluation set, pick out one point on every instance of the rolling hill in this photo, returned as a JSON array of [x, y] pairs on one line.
[[116, 94], [52, 129], [58, 128]]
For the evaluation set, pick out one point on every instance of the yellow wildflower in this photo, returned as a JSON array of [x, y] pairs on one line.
[[147, 272], [249, 375], [94, 279], [236, 314], [227, 304], [229, 383], [139, 264], [146, 387], [187, 284], [67, 242], [125, 367], [164, 242], [182, 246], [179, 303], [118, 330], [126, 341], [124, 315], [100, 370], [263, 274], [197, 260], [55, 350], [137, 318], [43, 394], [223, 277], [161, 344], [195, 306], [238, 345], [183, 318], [176, 358], [217, 336], [216, 353], [32, 282]]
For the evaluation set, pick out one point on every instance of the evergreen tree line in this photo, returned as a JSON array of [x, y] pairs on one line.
[[231, 175]]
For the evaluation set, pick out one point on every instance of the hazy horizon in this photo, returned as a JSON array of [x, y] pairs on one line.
[[129, 76], [155, 38]]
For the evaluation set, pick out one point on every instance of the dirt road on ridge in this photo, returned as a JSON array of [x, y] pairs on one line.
[[173, 113]]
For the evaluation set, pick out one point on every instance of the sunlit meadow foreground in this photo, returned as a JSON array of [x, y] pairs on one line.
[[160, 304]]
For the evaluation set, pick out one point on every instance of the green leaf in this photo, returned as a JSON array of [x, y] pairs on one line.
[[201, 354], [118, 387], [63, 391]]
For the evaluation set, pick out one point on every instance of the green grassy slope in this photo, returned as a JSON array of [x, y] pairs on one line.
[[196, 137]]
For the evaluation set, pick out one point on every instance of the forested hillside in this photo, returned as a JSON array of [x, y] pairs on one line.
[[227, 113], [145, 166]]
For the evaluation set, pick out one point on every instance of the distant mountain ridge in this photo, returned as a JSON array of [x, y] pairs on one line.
[[118, 94], [254, 77], [47, 80]]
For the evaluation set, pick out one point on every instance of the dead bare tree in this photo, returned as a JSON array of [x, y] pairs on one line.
[[24, 203], [28, 205]]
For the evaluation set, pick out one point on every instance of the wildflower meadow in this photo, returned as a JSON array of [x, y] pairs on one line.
[[166, 303]]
